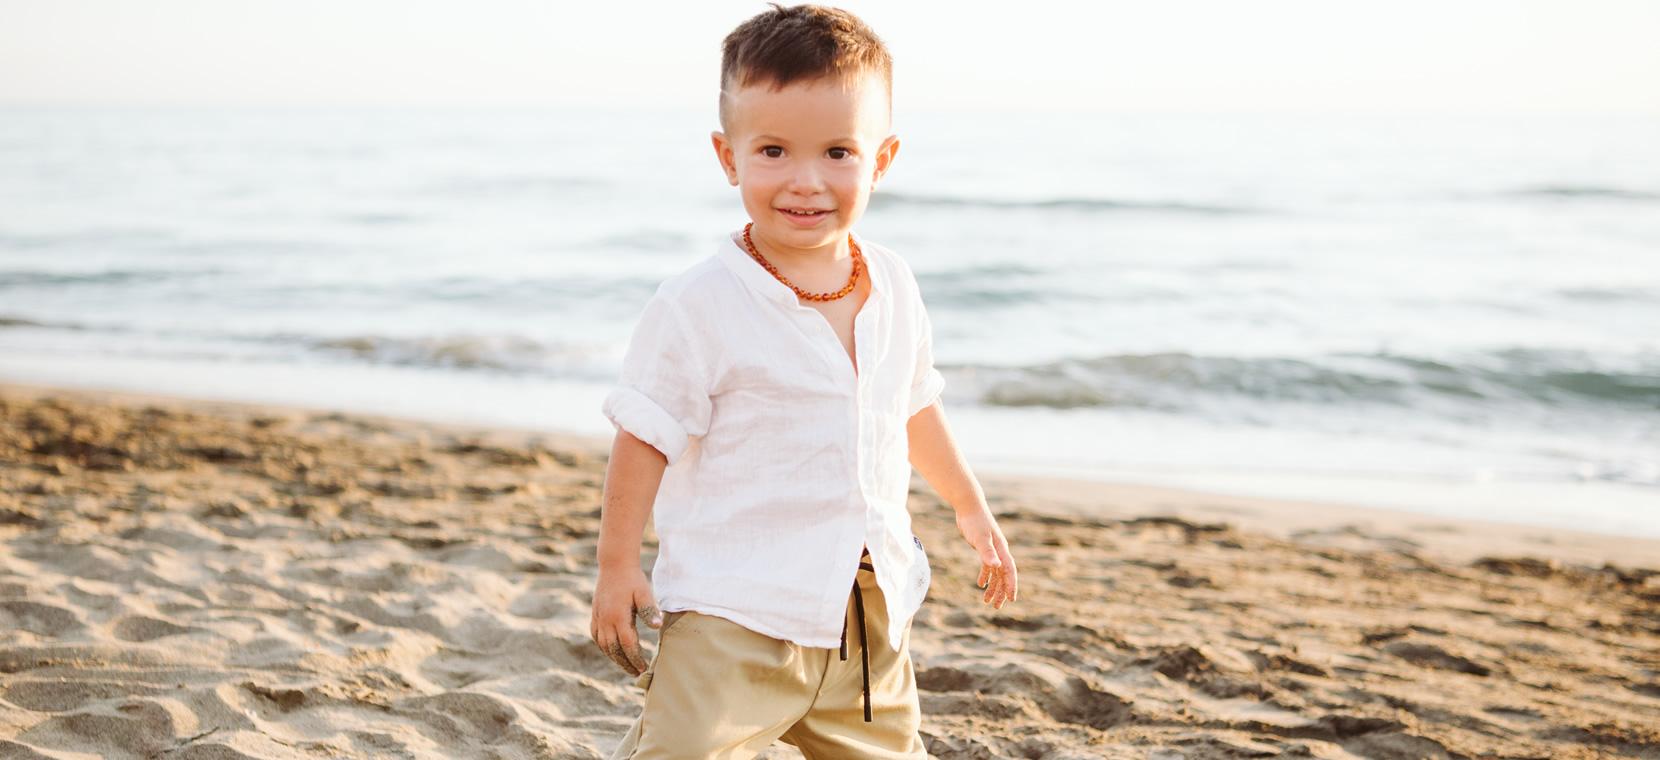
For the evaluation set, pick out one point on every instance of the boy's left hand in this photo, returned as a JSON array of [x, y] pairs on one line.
[[997, 570]]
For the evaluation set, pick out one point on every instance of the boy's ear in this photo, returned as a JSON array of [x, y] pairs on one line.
[[723, 151], [884, 158]]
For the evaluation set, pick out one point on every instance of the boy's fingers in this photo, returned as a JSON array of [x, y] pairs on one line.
[[613, 649], [1001, 590], [621, 645], [1008, 575], [636, 658], [629, 641], [650, 616], [1012, 577]]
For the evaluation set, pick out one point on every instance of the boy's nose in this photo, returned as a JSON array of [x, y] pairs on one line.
[[806, 177]]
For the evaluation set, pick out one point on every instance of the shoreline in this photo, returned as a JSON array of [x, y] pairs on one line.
[[1457, 539], [1091, 446]]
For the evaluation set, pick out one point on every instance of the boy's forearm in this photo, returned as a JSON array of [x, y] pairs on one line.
[[935, 456], [632, 476]]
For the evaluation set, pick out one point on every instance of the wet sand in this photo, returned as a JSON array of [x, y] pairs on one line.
[[198, 579]]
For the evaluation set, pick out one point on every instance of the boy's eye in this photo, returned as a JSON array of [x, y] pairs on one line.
[[844, 153], [768, 151]]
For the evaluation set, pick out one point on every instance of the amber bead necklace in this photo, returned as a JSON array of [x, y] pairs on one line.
[[858, 266]]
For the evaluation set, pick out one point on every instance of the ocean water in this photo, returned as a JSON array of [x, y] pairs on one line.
[[1453, 315]]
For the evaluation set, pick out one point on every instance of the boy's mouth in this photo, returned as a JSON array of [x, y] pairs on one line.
[[804, 218]]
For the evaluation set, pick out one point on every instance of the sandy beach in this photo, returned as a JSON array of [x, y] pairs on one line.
[[194, 579]]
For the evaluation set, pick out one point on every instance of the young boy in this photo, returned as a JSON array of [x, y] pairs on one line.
[[772, 401]]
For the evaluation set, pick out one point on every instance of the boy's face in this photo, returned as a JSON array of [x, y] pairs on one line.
[[814, 146]]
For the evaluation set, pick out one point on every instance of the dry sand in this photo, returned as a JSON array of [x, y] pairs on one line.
[[193, 579]]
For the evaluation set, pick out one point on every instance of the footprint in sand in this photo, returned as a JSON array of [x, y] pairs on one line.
[[140, 628], [37, 618]]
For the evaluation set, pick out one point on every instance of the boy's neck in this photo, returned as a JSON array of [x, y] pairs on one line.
[[804, 259]]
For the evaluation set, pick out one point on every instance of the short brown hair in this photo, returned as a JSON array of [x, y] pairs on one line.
[[801, 43]]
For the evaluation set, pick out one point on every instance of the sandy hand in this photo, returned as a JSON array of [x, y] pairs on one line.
[[619, 600], [997, 569]]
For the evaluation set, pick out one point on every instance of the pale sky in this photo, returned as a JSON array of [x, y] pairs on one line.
[[1462, 56]]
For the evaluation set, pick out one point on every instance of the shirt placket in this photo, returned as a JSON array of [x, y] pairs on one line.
[[863, 433], [864, 426], [860, 415]]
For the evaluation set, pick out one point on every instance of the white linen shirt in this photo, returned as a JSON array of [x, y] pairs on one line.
[[782, 461]]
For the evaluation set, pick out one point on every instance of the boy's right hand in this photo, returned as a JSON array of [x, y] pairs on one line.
[[620, 597]]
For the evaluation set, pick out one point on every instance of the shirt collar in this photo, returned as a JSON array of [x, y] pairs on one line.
[[761, 281]]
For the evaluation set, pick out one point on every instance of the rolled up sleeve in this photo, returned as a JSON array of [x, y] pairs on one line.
[[927, 382], [662, 393]]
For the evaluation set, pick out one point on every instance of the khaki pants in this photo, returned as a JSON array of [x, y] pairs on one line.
[[716, 689]]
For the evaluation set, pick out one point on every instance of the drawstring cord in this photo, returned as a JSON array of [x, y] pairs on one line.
[[864, 648]]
